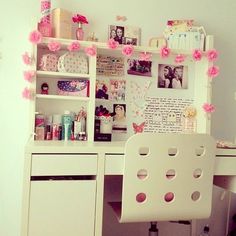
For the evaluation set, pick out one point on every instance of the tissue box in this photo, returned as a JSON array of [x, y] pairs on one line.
[[61, 23], [73, 88]]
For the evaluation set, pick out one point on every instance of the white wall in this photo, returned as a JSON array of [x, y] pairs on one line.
[[16, 22]]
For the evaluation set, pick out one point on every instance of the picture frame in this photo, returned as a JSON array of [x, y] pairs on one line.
[[125, 34]]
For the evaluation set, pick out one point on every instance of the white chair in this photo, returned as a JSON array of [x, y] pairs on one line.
[[167, 177]]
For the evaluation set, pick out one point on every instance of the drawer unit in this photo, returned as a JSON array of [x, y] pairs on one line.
[[114, 164], [51, 165]]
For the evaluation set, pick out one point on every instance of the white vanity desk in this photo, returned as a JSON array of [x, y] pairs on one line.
[[43, 197]]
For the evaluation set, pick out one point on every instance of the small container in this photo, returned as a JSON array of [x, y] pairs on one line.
[[66, 126], [56, 124]]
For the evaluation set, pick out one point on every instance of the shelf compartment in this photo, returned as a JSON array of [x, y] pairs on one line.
[[60, 97], [52, 74]]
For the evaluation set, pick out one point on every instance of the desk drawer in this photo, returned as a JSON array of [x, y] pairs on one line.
[[114, 164], [50, 165]]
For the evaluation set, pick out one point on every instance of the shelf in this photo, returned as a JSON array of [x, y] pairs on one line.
[[60, 97], [52, 74]]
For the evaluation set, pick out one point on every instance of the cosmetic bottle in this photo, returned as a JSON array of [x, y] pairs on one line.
[[56, 127], [66, 125]]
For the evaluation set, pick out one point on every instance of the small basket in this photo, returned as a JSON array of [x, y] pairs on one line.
[[48, 62], [72, 62]]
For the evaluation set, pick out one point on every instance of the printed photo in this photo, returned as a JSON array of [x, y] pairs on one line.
[[119, 118], [172, 76], [125, 34], [117, 90], [102, 89], [137, 67]]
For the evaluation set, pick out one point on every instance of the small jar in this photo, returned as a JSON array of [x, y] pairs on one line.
[[189, 125]]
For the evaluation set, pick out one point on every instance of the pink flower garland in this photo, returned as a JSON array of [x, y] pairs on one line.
[[208, 108], [179, 58], [145, 56], [27, 59], [29, 75], [54, 46], [74, 46], [35, 37], [165, 52], [213, 71], [197, 55], [127, 50], [27, 94], [212, 54], [112, 44], [91, 51]]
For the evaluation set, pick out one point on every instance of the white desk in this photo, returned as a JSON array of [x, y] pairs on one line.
[[58, 158]]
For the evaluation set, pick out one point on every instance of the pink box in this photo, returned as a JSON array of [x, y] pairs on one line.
[[73, 88]]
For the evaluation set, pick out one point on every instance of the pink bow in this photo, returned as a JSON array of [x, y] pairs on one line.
[[121, 18]]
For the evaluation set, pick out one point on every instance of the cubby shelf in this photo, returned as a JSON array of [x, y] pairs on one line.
[[52, 74], [60, 97]]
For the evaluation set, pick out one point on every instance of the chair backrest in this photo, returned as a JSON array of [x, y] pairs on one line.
[[167, 177]]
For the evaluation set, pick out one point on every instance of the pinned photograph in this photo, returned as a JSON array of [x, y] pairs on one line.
[[138, 67], [102, 89], [173, 77], [117, 90], [119, 118]]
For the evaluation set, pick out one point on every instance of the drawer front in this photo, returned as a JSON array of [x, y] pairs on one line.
[[80, 164], [114, 164]]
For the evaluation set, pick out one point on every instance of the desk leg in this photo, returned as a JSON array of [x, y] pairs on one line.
[[100, 194]]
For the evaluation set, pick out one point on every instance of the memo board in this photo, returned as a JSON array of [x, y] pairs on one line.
[[150, 105]]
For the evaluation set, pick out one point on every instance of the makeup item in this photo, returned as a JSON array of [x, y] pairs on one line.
[[56, 127], [66, 126], [48, 135], [39, 127], [77, 129]]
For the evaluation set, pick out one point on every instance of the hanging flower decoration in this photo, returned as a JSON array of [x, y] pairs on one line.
[[29, 75], [54, 46], [145, 56], [213, 71], [127, 50], [27, 59], [91, 51], [212, 54], [197, 55], [27, 94], [179, 58], [165, 52], [112, 44], [80, 19], [35, 37], [74, 46], [208, 108]]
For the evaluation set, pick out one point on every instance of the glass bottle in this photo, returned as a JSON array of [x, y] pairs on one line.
[[79, 32]]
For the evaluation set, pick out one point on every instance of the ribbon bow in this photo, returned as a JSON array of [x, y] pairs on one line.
[[121, 18]]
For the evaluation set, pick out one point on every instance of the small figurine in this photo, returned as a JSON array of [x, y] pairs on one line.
[[44, 88]]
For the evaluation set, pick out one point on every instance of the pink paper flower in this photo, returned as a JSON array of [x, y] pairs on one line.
[[112, 44], [54, 46], [35, 37], [179, 58], [127, 50], [91, 51], [213, 71], [26, 58], [165, 52], [79, 19], [29, 75], [208, 108], [26, 93], [212, 55], [74, 46], [197, 55], [145, 56]]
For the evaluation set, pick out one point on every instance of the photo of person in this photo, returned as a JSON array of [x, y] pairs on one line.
[[101, 90], [124, 34], [171, 76], [117, 90], [137, 67], [119, 118]]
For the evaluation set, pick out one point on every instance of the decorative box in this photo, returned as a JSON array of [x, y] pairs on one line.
[[61, 23], [48, 62], [73, 88], [72, 62]]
